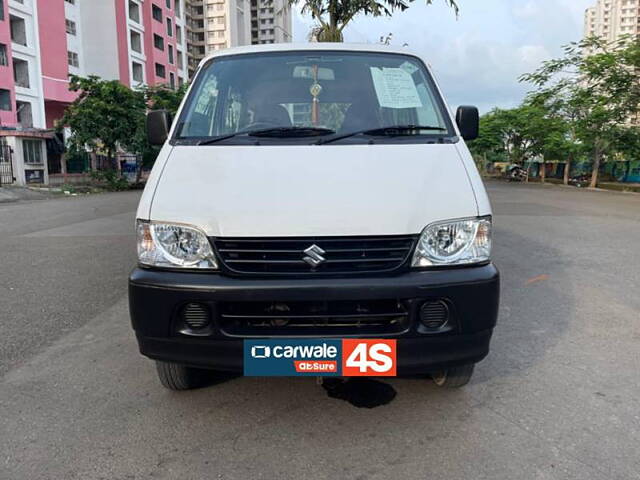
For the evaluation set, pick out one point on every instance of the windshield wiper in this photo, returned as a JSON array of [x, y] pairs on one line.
[[277, 132], [391, 131]]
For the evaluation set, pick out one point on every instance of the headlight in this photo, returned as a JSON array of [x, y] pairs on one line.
[[456, 242], [173, 245]]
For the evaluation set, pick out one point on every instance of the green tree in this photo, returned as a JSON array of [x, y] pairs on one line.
[[333, 16], [597, 87], [161, 97], [158, 97], [517, 134], [105, 114], [566, 113]]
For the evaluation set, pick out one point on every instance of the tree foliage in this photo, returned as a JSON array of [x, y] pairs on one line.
[[332, 16], [105, 114], [595, 89], [518, 135], [161, 97]]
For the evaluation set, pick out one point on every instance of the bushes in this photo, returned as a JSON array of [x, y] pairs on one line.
[[112, 180]]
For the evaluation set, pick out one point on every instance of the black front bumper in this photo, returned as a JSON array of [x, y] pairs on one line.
[[155, 297]]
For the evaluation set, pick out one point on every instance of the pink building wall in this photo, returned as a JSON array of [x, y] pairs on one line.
[[123, 45], [7, 118], [153, 54], [53, 59]]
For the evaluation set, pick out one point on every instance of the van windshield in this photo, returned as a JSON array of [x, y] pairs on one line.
[[291, 96]]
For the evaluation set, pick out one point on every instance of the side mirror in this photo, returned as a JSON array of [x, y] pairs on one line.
[[468, 120], [158, 126]]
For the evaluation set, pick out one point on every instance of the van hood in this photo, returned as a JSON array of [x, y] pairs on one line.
[[337, 190]]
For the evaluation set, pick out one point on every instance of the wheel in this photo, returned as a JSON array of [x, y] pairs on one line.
[[179, 377], [453, 377]]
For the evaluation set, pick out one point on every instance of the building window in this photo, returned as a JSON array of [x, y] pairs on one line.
[[18, 30], [4, 59], [5, 100], [160, 71], [23, 111], [172, 81], [137, 72], [156, 13], [169, 27], [178, 8], [72, 2], [21, 72], [32, 151], [134, 12], [180, 61], [1, 9], [178, 34], [71, 27], [170, 49], [136, 42], [158, 42], [169, 4], [72, 59]]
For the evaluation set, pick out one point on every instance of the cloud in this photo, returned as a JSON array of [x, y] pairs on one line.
[[528, 10], [478, 57]]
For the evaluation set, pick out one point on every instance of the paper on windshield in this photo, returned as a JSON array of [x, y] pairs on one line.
[[395, 88]]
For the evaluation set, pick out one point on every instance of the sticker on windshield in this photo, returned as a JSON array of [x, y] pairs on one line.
[[409, 67], [395, 88]]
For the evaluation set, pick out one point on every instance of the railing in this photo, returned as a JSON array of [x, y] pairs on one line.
[[6, 165]]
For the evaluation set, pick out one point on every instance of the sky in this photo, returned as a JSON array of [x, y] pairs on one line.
[[478, 57]]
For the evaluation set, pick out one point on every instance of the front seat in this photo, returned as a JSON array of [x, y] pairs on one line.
[[360, 116], [273, 114]]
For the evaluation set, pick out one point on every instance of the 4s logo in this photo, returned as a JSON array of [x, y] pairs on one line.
[[368, 358]]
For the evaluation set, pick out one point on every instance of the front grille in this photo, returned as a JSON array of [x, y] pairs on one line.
[[368, 317], [341, 255]]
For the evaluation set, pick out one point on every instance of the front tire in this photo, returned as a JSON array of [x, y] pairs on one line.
[[179, 377], [453, 377]]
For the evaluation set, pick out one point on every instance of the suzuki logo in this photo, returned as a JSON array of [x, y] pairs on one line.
[[314, 255]]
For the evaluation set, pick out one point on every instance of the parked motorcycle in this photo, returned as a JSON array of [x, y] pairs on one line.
[[580, 181], [515, 173]]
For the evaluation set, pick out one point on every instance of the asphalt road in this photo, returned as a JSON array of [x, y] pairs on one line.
[[558, 397]]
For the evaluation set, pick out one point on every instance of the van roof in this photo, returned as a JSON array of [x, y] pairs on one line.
[[311, 46]]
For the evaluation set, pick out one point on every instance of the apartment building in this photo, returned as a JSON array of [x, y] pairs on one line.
[[217, 24], [611, 19], [43, 42], [271, 21], [134, 41], [214, 25]]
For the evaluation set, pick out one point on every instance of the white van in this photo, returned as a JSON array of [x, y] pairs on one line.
[[314, 191]]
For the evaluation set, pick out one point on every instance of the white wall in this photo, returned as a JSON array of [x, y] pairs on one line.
[[99, 39], [19, 166]]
